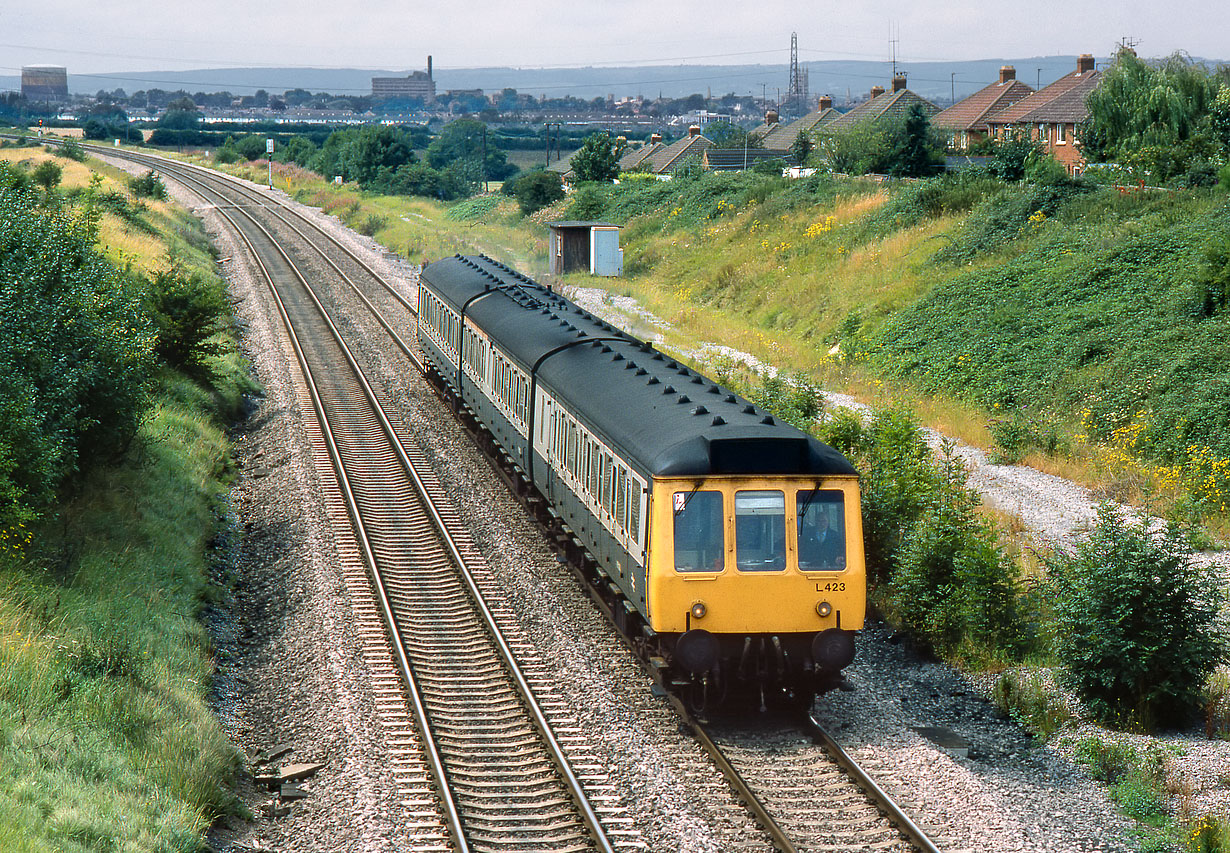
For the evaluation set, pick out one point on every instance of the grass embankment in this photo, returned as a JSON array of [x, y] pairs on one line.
[[107, 741], [1073, 328]]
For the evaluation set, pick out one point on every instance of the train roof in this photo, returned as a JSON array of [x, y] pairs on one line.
[[665, 418]]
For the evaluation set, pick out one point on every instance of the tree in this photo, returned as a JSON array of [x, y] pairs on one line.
[[598, 158], [536, 190], [460, 146], [726, 135], [181, 114], [1159, 118], [914, 151], [801, 148]]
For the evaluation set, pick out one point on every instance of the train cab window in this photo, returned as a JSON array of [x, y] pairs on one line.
[[822, 529], [760, 531], [700, 543]]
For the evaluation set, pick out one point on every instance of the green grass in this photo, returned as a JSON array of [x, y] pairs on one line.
[[1060, 322], [107, 739]]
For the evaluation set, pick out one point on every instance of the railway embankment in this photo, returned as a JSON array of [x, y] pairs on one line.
[[114, 477]]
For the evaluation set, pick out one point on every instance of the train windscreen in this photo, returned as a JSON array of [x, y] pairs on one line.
[[760, 531], [822, 529], [700, 544]]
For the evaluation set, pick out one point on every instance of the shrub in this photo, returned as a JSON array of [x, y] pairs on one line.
[[372, 224], [536, 190], [227, 155], [952, 587], [148, 185], [75, 353], [71, 149], [188, 311], [795, 400], [1032, 700], [47, 174], [1213, 281], [1141, 627], [898, 478]]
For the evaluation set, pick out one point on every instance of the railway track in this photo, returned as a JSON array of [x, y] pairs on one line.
[[800, 804], [500, 756]]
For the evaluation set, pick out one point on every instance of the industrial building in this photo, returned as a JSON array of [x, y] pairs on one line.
[[44, 83], [418, 85]]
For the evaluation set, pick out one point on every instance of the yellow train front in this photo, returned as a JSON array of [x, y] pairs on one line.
[[726, 545], [756, 581]]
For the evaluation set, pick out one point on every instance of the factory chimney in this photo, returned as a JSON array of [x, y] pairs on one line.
[[429, 66]]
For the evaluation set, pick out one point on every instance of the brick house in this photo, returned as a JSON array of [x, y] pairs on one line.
[[1052, 114], [883, 105], [778, 137], [669, 158], [966, 122]]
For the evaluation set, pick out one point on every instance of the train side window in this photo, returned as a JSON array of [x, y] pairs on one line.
[[700, 541], [760, 531], [822, 529]]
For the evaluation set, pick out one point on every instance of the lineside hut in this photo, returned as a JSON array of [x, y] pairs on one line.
[[592, 246]]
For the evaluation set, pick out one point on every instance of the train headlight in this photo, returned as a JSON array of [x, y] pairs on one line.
[[699, 610], [824, 609]]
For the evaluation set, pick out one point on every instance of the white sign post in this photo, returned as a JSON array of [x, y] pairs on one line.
[[269, 151]]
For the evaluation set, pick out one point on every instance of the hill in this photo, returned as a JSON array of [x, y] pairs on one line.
[[932, 80]]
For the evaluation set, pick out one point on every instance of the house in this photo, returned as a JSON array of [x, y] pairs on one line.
[[965, 122], [882, 105], [634, 157], [1051, 114], [670, 158], [778, 137]]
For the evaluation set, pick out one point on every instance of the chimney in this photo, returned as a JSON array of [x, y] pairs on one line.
[[770, 117], [694, 131], [655, 138], [826, 102], [1007, 73], [898, 83], [1084, 63], [876, 91], [429, 66]]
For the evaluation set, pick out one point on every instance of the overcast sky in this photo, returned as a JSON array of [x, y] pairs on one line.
[[143, 35]]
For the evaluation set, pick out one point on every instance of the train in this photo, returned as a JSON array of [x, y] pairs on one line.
[[725, 544]]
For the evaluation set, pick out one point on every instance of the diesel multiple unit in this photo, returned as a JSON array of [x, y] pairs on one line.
[[730, 543]]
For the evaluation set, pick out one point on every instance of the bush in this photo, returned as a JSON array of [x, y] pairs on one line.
[[1142, 631], [75, 353], [1005, 216], [148, 185], [47, 174], [226, 155], [536, 190], [71, 149], [793, 399], [952, 587], [372, 224], [898, 479], [188, 311]]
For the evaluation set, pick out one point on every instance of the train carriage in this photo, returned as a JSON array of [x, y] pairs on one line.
[[734, 541]]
